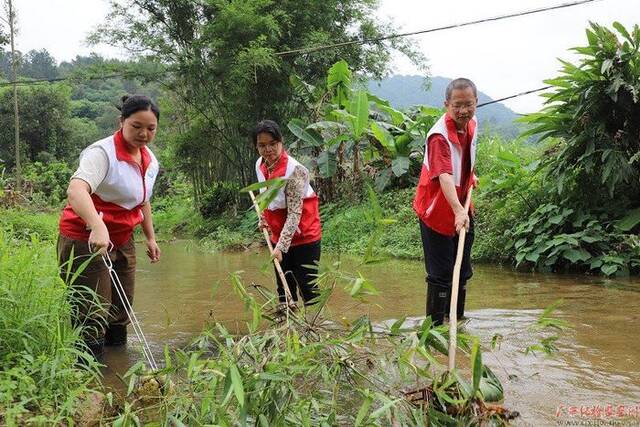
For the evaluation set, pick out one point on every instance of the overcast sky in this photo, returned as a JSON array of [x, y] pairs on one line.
[[503, 57]]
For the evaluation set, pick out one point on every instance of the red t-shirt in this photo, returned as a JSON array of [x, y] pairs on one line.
[[440, 157]]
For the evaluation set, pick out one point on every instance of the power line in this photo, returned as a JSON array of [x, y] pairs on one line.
[[131, 75], [330, 46], [431, 30], [514, 96], [79, 78]]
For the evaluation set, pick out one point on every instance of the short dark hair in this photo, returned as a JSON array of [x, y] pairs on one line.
[[131, 104], [266, 126], [460, 83]]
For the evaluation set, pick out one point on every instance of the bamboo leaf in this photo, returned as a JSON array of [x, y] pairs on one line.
[[275, 182], [476, 366], [236, 383], [364, 408]]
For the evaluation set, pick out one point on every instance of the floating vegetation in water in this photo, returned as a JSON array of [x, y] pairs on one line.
[[306, 369]]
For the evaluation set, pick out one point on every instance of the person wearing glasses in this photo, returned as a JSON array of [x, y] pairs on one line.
[[446, 177], [293, 217], [108, 196]]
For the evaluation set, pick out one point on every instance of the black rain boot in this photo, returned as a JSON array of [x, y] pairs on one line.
[[437, 301], [116, 335], [462, 296]]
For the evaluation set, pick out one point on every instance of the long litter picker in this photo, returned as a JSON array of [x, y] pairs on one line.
[[148, 355], [455, 284], [287, 293]]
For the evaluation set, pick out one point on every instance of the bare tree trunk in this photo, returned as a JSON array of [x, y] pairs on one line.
[[14, 68]]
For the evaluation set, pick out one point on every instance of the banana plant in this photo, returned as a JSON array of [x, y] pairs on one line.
[[365, 130], [398, 138]]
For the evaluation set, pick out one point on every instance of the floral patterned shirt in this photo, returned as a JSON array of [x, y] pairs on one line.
[[294, 193]]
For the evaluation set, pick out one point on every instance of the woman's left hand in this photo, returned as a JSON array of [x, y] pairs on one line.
[[153, 250]]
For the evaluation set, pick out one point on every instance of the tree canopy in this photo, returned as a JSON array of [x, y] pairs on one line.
[[224, 60]]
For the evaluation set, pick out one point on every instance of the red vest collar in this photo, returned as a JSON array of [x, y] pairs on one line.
[[123, 155], [452, 131], [279, 168]]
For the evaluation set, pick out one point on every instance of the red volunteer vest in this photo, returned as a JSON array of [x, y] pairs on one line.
[[309, 229], [429, 203], [120, 196]]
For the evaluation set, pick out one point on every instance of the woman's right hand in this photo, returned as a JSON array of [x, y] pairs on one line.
[[262, 224], [99, 238]]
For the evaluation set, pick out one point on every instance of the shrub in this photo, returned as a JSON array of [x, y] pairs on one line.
[[23, 224], [47, 182], [221, 197], [595, 111]]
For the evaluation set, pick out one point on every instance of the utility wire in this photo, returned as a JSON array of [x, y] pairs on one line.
[[330, 46], [79, 78], [432, 30], [514, 96], [129, 75]]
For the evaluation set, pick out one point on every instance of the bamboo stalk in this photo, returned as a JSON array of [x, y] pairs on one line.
[[287, 293], [455, 284]]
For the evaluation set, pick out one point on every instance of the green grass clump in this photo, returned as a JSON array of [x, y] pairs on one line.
[[41, 379], [347, 228], [23, 223]]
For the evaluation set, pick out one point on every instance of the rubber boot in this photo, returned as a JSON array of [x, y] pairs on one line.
[[437, 301], [116, 335], [462, 296]]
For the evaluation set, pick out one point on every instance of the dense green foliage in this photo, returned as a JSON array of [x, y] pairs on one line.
[[591, 203], [595, 114], [35, 64], [44, 374], [44, 127], [225, 69], [358, 136], [22, 224]]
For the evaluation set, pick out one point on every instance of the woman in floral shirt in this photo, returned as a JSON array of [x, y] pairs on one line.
[[292, 218]]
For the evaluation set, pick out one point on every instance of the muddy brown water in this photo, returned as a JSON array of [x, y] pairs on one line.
[[596, 369]]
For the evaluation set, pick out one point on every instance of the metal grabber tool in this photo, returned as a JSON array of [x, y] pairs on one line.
[[129, 309]]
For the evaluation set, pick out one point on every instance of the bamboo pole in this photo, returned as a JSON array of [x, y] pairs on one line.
[[287, 293], [455, 284]]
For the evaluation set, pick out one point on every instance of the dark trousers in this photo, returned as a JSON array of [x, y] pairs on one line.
[[299, 265], [97, 317], [439, 259]]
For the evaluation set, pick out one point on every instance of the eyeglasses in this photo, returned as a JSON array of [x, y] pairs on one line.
[[459, 107], [269, 144]]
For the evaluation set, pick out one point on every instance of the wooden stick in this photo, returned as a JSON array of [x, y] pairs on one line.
[[455, 283], [287, 293]]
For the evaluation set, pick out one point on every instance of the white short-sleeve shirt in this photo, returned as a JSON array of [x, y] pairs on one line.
[[93, 168]]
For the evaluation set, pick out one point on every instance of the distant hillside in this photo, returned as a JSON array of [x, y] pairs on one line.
[[405, 91]]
